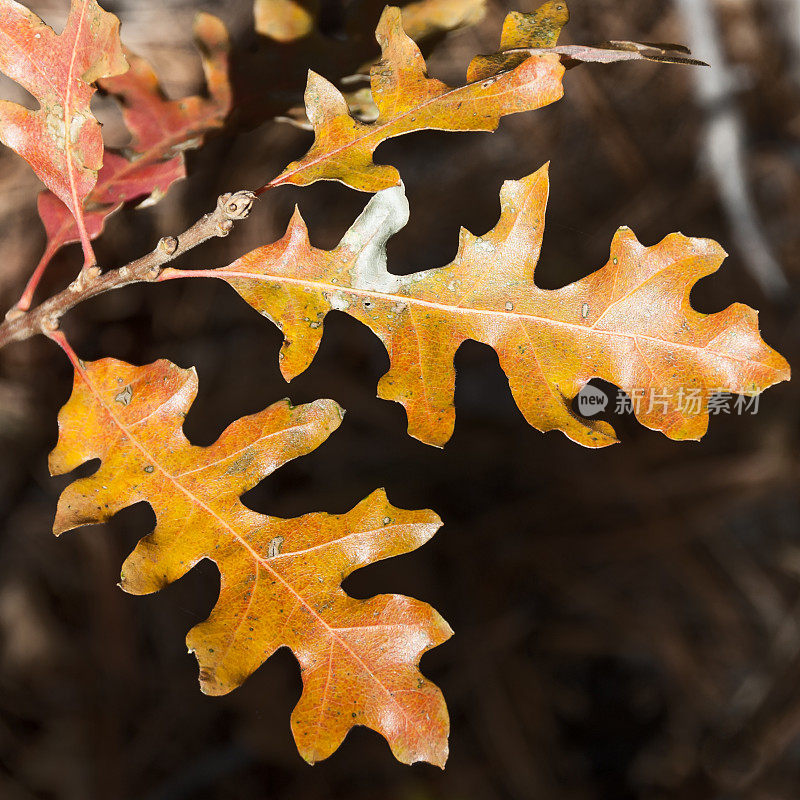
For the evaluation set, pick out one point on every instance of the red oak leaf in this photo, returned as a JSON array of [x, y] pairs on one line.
[[61, 139], [161, 130]]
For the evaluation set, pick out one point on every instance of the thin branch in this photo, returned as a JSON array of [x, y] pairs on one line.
[[61, 340], [725, 150], [789, 22], [20, 325], [89, 259], [24, 303]]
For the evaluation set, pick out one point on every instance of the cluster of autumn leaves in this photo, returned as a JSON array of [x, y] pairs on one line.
[[629, 323]]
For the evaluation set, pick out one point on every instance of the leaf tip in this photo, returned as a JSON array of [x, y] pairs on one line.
[[390, 21], [440, 758], [436, 752], [297, 228], [59, 528], [314, 78], [323, 101], [331, 408], [203, 20], [210, 33]]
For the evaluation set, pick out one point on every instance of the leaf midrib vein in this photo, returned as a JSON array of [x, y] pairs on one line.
[[375, 129], [77, 205], [582, 329], [331, 631], [147, 158]]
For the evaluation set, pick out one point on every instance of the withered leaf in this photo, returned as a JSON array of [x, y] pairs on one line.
[[629, 323], [280, 578]]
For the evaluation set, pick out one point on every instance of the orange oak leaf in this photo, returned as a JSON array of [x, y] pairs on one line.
[[61, 139], [425, 21], [408, 100], [280, 578], [629, 323], [538, 30], [161, 130], [524, 75], [294, 38]]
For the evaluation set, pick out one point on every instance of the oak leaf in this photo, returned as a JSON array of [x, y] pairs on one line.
[[425, 21], [524, 75], [270, 70], [161, 130], [408, 100], [541, 29], [280, 578], [629, 323], [61, 139]]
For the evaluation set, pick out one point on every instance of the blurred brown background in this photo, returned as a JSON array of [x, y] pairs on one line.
[[627, 620]]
